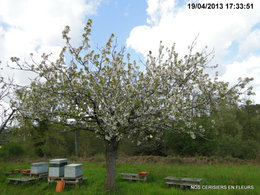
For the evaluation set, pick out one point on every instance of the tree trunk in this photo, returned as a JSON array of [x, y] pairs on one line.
[[6, 121], [76, 135], [111, 155], [24, 131]]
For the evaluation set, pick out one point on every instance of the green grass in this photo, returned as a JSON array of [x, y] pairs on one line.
[[211, 174]]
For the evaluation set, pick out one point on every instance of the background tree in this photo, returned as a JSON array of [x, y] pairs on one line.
[[104, 92], [238, 131], [177, 143], [6, 111]]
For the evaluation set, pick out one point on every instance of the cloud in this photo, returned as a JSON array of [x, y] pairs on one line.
[[28, 26], [251, 42], [172, 24], [217, 28], [249, 67], [158, 9]]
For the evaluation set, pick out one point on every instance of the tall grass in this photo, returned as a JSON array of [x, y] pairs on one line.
[[211, 174]]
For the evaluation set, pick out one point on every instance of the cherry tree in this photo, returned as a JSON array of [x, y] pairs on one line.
[[103, 91]]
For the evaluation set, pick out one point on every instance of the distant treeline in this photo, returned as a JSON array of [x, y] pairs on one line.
[[236, 133]]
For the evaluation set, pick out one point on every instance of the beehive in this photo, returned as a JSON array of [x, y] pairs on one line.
[[38, 168], [73, 170], [56, 168]]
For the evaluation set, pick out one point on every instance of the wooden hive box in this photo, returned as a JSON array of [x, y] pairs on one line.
[[73, 171], [56, 168], [38, 168]]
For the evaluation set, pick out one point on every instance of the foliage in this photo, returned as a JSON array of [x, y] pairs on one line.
[[40, 138], [229, 137], [150, 146], [236, 137], [235, 134], [90, 145], [11, 151], [177, 143]]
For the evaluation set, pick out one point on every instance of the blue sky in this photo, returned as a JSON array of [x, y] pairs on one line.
[[118, 17], [28, 26]]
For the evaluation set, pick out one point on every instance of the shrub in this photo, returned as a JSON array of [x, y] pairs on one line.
[[11, 150]]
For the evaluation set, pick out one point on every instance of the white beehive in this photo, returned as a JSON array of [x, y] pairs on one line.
[[73, 170], [38, 168], [56, 168]]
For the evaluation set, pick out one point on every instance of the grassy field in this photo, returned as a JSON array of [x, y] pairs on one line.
[[218, 175]]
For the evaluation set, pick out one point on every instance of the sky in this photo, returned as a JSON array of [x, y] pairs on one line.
[[35, 26]]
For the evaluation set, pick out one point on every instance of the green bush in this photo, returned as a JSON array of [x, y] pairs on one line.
[[11, 150], [249, 149]]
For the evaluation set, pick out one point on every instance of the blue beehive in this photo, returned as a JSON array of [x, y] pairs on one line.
[[56, 168], [73, 170], [38, 168]]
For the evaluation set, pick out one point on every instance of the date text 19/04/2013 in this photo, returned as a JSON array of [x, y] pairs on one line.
[[229, 6]]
